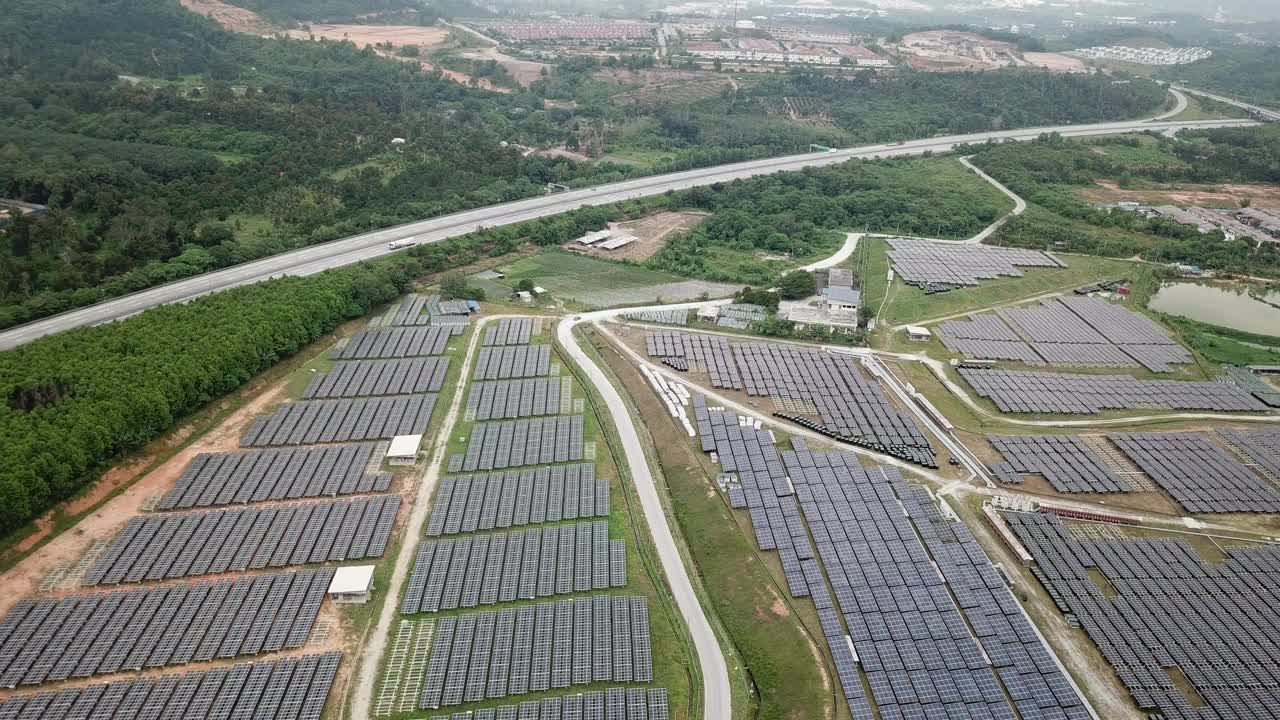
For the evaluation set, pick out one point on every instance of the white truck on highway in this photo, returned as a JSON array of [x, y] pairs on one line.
[[397, 244]]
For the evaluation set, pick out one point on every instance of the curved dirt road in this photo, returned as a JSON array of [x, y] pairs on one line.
[[716, 699]]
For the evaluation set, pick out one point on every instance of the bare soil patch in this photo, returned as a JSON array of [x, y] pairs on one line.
[[652, 233], [24, 579], [1229, 194], [1054, 62], [233, 18], [666, 85], [425, 38], [524, 71]]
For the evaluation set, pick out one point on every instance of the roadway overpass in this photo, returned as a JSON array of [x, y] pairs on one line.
[[314, 259]]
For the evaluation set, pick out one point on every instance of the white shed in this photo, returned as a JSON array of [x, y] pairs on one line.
[[916, 333], [351, 584], [404, 449]]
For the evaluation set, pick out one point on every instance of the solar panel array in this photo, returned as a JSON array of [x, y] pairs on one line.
[[466, 503], [81, 635], [494, 654], [1251, 383], [186, 544], [365, 378], [929, 620], [431, 310], [662, 317], [503, 567], [293, 687], [1261, 448], [511, 443], [512, 361], [394, 342], [1066, 462], [227, 478], [740, 315], [610, 704], [938, 267], [509, 331], [1065, 393], [1164, 611], [849, 406], [326, 421], [1079, 331], [506, 399], [1199, 475]]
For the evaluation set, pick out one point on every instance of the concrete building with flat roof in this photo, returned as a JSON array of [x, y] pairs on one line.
[[351, 584]]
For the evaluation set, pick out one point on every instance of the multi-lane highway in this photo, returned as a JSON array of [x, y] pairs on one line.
[[1259, 112], [317, 258]]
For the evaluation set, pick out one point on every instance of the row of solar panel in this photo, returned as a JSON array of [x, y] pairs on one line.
[[326, 421], [465, 503], [365, 378], [925, 263], [513, 361], [431, 310], [489, 655], [1068, 463], [81, 635], [511, 443], [611, 704], [954, 649], [1065, 393], [227, 478], [503, 567], [394, 342], [293, 688], [174, 545], [1157, 610], [509, 331], [849, 406], [506, 399], [1199, 475], [661, 317]]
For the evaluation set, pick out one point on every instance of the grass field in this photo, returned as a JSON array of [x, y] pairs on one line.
[[909, 304]]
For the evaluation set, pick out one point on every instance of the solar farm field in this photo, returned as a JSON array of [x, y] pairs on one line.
[[600, 283], [533, 589], [911, 305]]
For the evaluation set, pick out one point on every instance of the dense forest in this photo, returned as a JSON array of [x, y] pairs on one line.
[[1048, 172]]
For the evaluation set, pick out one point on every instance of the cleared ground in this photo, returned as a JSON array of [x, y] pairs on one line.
[[599, 283], [236, 19], [398, 35], [651, 232], [1227, 195]]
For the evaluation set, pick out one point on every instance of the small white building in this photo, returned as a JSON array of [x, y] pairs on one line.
[[709, 313], [404, 449], [916, 333], [524, 296], [351, 584]]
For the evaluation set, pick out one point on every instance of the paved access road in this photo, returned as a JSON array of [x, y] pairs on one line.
[[1261, 111], [317, 258], [716, 699]]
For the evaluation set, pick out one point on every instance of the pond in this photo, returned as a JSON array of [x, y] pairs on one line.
[[1216, 306]]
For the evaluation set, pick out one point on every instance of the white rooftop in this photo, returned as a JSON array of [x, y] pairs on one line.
[[352, 579], [404, 446], [917, 330]]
